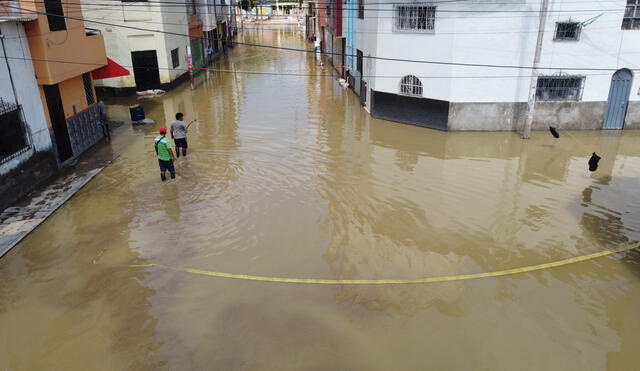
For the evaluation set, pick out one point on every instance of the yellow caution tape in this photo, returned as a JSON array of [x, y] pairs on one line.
[[461, 277]]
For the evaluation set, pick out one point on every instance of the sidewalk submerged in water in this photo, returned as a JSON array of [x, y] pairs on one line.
[[17, 221]]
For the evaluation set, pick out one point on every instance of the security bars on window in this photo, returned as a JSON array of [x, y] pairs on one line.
[[15, 138], [88, 88], [411, 85], [415, 18], [631, 20], [567, 31], [559, 88]]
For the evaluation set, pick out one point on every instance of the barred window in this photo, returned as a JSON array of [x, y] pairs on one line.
[[175, 58], [567, 31], [88, 88], [553, 88], [360, 9], [415, 18], [631, 20], [411, 85], [13, 140]]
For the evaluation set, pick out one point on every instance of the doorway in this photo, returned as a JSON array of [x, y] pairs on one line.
[[618, 99], [58, 121], [145, 69]]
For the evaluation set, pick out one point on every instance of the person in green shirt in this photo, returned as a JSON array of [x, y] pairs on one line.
[[165, 154]]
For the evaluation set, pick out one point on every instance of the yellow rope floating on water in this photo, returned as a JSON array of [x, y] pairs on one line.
[[460, 277]]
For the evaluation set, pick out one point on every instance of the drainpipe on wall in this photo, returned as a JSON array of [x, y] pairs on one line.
[[531, 102]]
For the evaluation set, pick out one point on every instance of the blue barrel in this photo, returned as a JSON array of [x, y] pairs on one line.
[[137, 113]]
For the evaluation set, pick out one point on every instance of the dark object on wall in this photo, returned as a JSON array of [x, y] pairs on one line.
[[593, 162], [137, 113], [554, 132]]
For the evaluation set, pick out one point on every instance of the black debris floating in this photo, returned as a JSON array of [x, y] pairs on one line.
[[554, 132], [593, 162]]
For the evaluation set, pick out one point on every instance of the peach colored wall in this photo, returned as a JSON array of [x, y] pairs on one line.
[[72, 94], [70, 45]]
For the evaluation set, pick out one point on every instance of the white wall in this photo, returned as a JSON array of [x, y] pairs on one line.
[[28, 96], [120, 41], [208, 15], [501, 39]]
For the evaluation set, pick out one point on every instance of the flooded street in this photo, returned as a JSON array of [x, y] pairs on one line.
[[288, 176]]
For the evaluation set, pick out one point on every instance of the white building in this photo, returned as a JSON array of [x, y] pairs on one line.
[[27, 156], [590, 57], [156, 60]]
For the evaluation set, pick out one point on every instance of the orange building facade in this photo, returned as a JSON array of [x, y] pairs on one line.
[[64, 53]]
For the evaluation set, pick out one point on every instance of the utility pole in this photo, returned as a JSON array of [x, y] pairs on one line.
[[531, 102]]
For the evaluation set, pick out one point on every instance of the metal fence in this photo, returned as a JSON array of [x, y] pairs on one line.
[[15, 138]]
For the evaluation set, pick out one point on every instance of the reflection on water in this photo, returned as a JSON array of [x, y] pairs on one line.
[[288, 176]]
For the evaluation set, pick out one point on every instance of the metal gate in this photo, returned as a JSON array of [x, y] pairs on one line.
[[618, 99]]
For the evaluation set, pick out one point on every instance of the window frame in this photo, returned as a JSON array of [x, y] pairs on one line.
[[89, 93], [578, 31], [578, 96], [8, 108], [175, 59], [631, 23], [55, 15], [427, 30], [412, 86], [360, 9]]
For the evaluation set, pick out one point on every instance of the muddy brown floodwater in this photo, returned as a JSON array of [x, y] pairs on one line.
[[288, 176]]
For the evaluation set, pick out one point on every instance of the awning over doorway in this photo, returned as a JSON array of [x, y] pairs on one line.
[[112, 69]]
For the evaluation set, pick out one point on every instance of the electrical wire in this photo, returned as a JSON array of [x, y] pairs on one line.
[[311, 51], [281, 73], [466, 12]]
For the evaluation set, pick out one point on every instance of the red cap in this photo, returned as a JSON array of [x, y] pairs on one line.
[[163, 130]]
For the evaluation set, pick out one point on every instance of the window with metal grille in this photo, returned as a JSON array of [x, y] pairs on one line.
[[13, 139], [631, 20], [359, 58], [567, 31], [328, 10], [411, 85], [55, 15], [88, 88], [415, 18], [360, 9], [175, 58], [553, 88]]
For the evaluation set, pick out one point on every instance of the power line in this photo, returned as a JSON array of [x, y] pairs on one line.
[[459, 64], [481, 12], [279, 73]]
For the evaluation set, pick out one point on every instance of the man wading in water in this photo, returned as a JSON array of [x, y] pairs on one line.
[[179, 134], [165, 154]]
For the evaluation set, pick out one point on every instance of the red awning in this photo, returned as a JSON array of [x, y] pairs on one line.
[[112, 69]]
